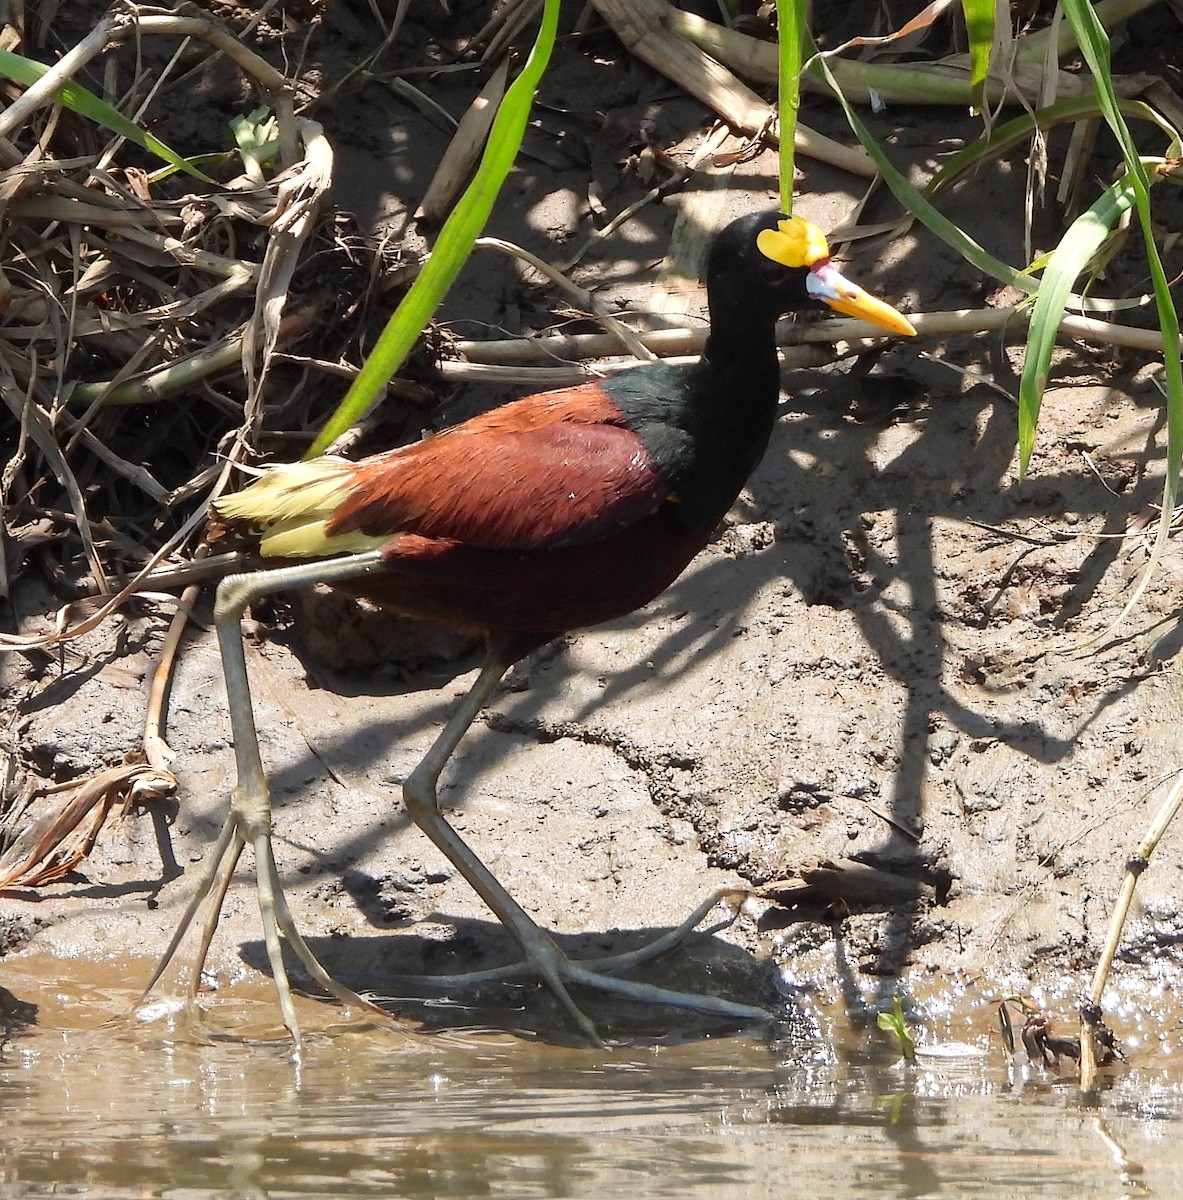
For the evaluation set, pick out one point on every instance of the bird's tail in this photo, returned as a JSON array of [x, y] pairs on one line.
[[289, 508]]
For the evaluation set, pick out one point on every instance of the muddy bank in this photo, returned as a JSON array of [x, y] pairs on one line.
[[874, 662]]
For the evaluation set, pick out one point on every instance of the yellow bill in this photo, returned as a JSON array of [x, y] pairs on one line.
[[801, 245], [827, 284]]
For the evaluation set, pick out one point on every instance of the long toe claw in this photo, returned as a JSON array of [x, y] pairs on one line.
[[209, 894], [558, 973], [553, 975], [613, 963], [249, 819], [173, 978], [271, 899], [546, 962], [274, 906], [647, 993]]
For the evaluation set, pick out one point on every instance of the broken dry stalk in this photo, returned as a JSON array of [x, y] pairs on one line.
[[665, 342], [795, 358], [299, 192], [32, 417], [54, 844], [1135, 865], [644, 26], [156, 749], [178, 376], [464, 150]]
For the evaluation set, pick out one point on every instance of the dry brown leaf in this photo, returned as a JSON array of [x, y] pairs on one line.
[[56, 841]]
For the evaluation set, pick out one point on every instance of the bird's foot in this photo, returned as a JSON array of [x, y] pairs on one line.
[[545, 961], [174, 983], [278, 927], [177, 977]]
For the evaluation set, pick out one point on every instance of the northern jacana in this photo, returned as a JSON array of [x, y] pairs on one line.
[[550, 513]]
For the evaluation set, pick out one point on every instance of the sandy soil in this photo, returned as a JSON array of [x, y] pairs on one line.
[[878, 661]]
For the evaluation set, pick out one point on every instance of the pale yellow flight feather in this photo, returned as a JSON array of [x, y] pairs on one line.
[[290, 506]]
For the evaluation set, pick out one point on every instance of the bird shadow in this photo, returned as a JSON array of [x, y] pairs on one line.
[[414, 978]]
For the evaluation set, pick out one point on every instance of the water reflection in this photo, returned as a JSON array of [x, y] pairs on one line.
[[815, 1112]]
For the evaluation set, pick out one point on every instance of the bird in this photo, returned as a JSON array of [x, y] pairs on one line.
[[550, 513]]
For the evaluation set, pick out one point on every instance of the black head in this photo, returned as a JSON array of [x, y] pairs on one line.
[[764, 265], [741, 279]]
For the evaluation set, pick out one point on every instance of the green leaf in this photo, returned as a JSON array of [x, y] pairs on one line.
[[452, 247], [84, 102], [791, 18], [1094, 45], [1069, 259], [979, 24], [257, 137], [894, 1023]]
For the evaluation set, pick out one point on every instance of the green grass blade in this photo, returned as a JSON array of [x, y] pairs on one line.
[[915, 201], [1017, 130], [1065, 265], [979, 25], [460, 230], [791, 18], [1094, 45], [86, 104]]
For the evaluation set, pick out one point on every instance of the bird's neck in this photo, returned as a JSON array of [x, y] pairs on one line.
[[731, 411], [706, 427], [739, 367], [745, 350]]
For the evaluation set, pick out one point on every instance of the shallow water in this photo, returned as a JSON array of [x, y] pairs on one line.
[[821, 1109]]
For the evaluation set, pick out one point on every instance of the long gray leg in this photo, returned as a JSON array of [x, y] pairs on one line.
[[249, 818], [543, 957], [249, 821]]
